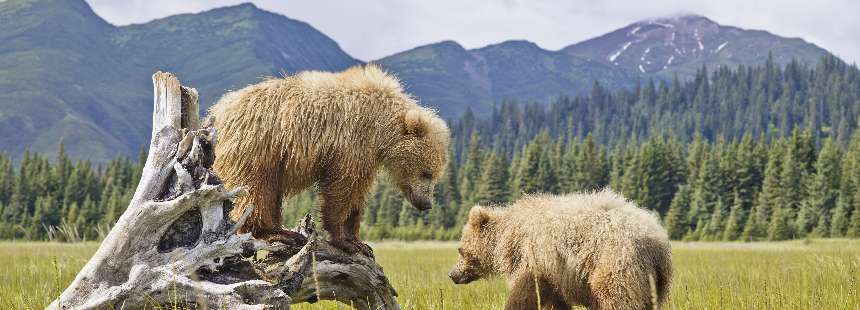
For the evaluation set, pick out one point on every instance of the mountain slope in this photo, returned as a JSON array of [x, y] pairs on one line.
[[682, 44], [67, 75], [228, 48], [447, 76], [59, 80]]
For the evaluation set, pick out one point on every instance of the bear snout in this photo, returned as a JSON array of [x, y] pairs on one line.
[[418, 199], [422, 204], [460, 277]]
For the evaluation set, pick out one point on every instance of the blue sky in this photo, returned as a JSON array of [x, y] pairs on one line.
[[371, 29]]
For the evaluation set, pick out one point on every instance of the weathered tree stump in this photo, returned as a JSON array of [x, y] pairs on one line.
[[176, 245]]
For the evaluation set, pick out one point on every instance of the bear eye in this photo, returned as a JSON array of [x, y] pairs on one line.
[[426, 175]]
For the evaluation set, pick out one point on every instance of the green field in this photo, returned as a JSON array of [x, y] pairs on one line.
[[811, 274]]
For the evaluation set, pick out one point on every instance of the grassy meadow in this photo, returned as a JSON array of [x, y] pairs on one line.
[[805, 274]]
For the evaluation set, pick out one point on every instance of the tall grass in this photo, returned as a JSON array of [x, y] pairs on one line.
[[812, 274]]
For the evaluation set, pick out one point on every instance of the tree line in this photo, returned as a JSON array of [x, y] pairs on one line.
[[750, 153], [58, 199]]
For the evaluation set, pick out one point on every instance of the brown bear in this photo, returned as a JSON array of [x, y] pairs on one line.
[[335, 130], [593, 249]]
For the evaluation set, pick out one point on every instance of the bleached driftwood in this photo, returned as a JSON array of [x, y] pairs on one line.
[[176, 245]]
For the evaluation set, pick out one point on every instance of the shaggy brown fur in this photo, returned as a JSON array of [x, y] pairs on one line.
[[596, 249], [334, 129]]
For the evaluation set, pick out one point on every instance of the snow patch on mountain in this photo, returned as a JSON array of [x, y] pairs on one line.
[[645, 54], [669, 62], [634, 31], [698, 39], [618, 53], [664, 25], [719, 48]]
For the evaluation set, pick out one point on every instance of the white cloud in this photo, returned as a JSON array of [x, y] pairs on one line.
[[371, 29]]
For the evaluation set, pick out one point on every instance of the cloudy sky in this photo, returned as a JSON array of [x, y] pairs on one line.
[[371, 29]]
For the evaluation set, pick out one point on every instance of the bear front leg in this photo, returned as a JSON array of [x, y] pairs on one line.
[[353, 224], [343, 231], [524, 294], [342, 208]]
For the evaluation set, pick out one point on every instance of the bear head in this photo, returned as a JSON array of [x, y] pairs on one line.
[[416, 161], [476, 247]]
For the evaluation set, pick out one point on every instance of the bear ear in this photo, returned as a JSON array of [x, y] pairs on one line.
[[415, 123], [479, 216]]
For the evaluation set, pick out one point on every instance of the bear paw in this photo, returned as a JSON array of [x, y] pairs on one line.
[[353, 247], [287, 237]]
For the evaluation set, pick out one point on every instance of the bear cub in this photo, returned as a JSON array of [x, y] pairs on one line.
[[592, 249]]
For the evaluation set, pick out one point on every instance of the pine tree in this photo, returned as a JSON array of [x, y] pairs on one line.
[[752, 229], [471, 171], [822, 227], [591, 170], [716, 223], [791, 182], [707, 191], [390, 206], [823, 188], [72, 216], [546, 177], [695, 158], [675, 220], [734, 224], [88, 212], [449, 187], [779, 228], [854, 226], [408, 216], [495, 184], [660, 174], [840, 220], [770, 197], [111, 204], [447, 197], [632, 179], [747, 172], [616, 174], [529, 175], [17, 209]]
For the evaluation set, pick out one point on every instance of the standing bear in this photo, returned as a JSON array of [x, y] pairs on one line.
[[595, 249], [335, 130]]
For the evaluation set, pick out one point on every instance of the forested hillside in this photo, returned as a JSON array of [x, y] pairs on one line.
[[750, 153]]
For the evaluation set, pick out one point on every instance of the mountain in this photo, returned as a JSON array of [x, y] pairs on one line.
[[682, 44], [68, 75], [451, 78]]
